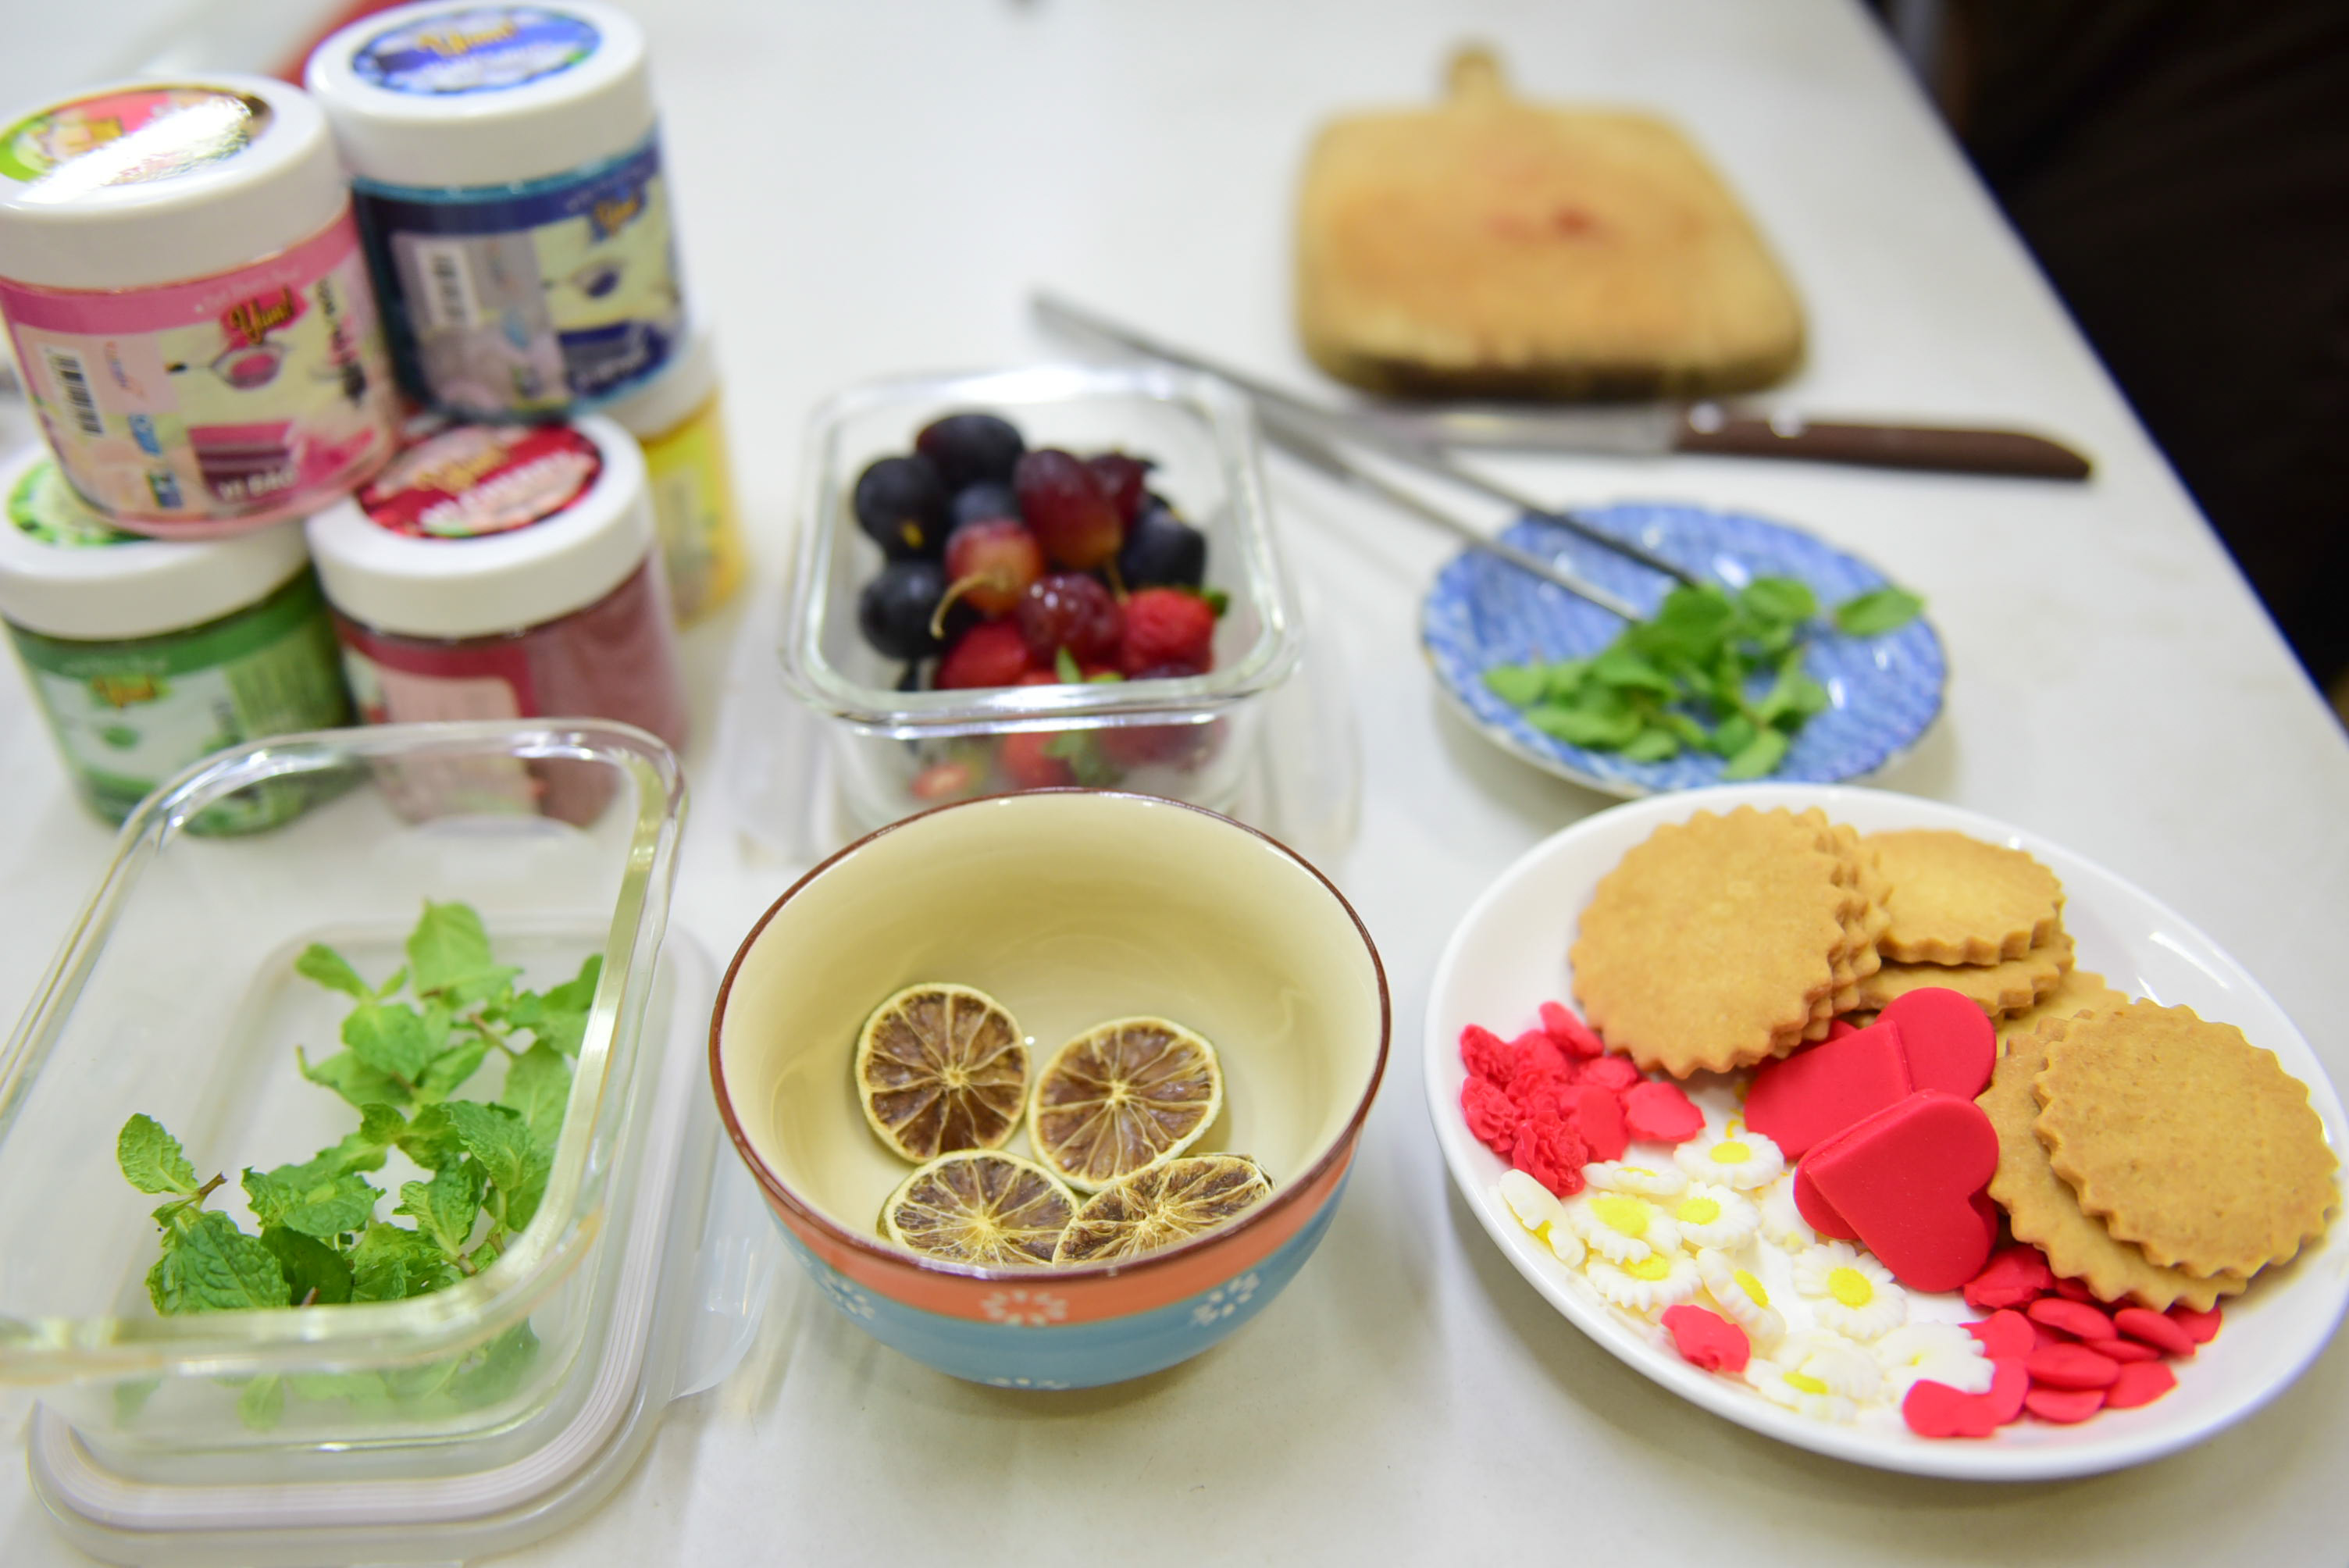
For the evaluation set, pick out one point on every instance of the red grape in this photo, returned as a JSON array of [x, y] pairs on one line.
[[1063, 500]]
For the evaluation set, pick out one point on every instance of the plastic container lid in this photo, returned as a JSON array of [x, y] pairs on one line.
[[671, 397], [478, 530], [161, 180], [443, 95], [67, 573]]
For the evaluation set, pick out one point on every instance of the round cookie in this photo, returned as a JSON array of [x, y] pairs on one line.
[[1957, 900], [2186, 1139], [2041, 1210], [2008, 985], [1710, 943]]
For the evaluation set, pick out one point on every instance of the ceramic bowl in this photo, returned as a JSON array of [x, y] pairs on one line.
[[1069, 907]]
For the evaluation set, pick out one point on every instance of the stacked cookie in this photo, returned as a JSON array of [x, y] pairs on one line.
[[1980, 919], [1723, 941], [2154, 1155]]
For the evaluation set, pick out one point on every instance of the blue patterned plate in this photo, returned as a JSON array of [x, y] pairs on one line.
[[1885, 690]]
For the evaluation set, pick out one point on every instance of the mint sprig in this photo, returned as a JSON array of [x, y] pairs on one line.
[[403, 1065], [1690, 677]]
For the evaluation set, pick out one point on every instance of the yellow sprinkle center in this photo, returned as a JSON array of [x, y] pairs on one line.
[[1699, 1210], [1622, 1213], [1653, 1267], [1635, 1171], [1803, 1382], [1751, 1287], [1731, 1152], [1850, 1287]]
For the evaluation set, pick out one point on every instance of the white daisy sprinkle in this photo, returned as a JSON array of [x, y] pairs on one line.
[[1647, 1181], [1934, 1353], [1782, 1225], [1711, 1216], [1621, 1227], [1845, 1370], [1741, 1297], [1798, 1391], [1645, 1285], [1849, 1291], [1736, 1157]]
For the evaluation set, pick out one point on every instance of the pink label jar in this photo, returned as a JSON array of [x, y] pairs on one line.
[[505, 571], [190, 306]]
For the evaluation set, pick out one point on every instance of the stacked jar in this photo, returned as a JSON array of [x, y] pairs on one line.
[[145, 655], [505, 571], [184, 287], [507, 166]]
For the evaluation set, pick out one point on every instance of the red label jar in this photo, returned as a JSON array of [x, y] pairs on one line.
[[505, 571]]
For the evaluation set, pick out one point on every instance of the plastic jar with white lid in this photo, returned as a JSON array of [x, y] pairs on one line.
[[505, 571], [190, 304], [147, 655], [506, 167], [678, 421]]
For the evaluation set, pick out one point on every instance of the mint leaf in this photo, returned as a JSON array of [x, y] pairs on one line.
[[319, 1197], [331, 969], [392, 1264], [445, 1207], [364, 1390], [355, 1081], [1626, 671], [498, 1138], [492, 1373], [430, 1139], [392, 1038], [1878, 610], [213, 1267], [1734, 734], [262, 1403], [130, 1397], [1779, 599], [445, 1074], [1758, 756], [1654, 744], [1519, 686], [380, 1127], [315, 1275], [558, 1018], [1562, 679], [538, 1088], [151, 1158], [447, 948]]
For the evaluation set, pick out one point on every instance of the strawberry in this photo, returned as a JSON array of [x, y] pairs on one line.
[[1029, 765], [1168, 627], [990, 654]]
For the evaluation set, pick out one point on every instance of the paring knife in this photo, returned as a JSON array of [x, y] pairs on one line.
[[1327, 458], [1659, 430], [1282, 412]]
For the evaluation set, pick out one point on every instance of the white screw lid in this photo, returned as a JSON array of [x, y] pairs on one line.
[[163, 180], [65, 571], [441, 95], [669, 399], [481, 529]]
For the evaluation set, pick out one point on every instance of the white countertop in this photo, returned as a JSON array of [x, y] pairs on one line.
[[872, 190]]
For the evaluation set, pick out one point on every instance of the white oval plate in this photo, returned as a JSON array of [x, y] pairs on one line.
[[1508, 957]]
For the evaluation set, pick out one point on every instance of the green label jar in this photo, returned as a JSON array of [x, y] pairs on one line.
[[147, 655]]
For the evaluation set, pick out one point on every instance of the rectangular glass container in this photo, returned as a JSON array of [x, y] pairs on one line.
[[902, 751], [174, 995]]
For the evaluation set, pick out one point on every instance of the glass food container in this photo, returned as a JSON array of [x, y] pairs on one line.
[[1190, 737], [175, 995]]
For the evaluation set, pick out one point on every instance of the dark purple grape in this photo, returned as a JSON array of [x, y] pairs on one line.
[[893, 609], [968, 447], [987, 498], [902, 503], [1162, 550]]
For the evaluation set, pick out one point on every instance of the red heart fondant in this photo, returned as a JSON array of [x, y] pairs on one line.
[[1908, 1181], [1950, 1043], [1816, 1212], [1800, 1101]]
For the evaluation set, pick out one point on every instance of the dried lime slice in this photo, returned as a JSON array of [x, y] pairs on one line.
[[941, 1068], [1170, 1201], [1122, 1096], [981, 1206]]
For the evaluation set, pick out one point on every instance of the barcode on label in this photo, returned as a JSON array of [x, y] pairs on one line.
[[73, 385], [448, 301]]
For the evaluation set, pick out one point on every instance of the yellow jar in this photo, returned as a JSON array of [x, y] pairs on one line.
[[678, 421]]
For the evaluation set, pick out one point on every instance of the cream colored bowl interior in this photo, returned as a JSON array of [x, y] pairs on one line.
[[1069, 909]]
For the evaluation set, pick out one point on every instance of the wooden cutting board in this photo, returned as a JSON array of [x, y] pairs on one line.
[[1492, 247]]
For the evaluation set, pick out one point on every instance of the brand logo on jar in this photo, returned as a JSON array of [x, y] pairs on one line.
[[450, 42], [121, 691], [250, 320], [607, 216]]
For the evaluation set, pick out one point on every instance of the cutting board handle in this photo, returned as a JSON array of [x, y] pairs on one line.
[[1475, 75]]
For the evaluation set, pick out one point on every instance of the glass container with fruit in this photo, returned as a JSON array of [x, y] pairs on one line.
[[1039, 577]]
